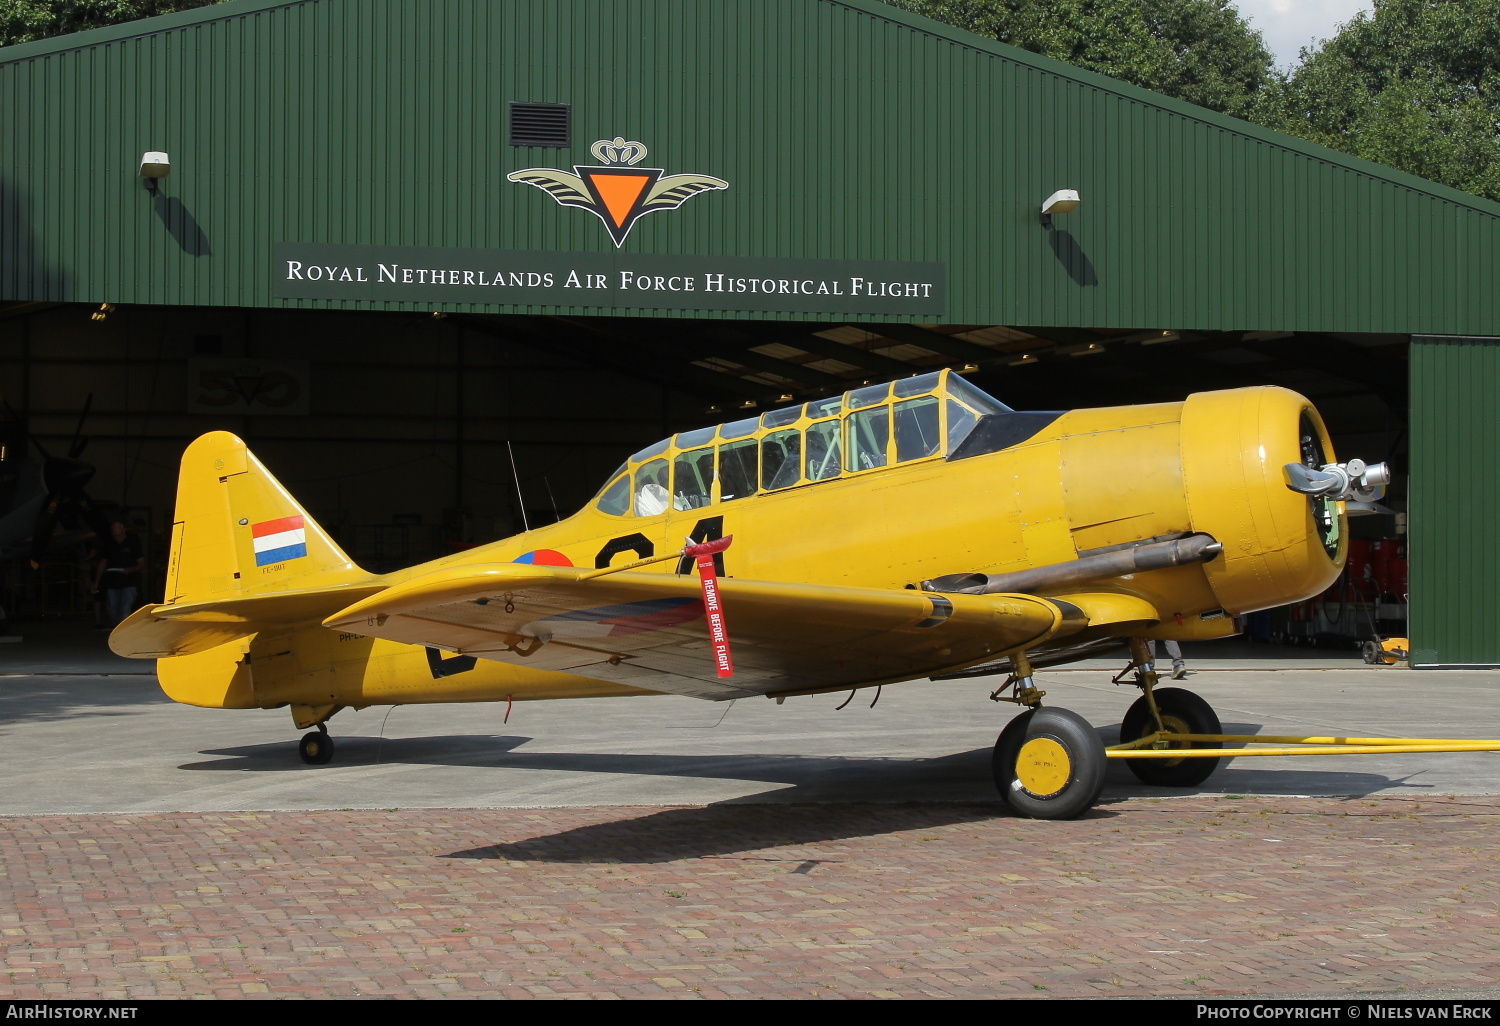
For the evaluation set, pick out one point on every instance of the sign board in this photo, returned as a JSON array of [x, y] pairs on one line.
[[437, 275]]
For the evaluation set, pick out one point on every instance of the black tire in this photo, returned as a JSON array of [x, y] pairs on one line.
[[316, 748], [1080, 777], [1185, 713], [1371, 652]]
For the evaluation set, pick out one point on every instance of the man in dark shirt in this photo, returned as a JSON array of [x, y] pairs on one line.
[[118, 574]]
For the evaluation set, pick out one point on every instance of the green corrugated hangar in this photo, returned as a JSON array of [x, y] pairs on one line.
[[398, 244]]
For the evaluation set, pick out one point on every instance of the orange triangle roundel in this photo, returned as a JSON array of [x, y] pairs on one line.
[[619, 193]]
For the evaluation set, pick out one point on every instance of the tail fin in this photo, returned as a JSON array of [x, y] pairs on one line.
[[245, 558], [239, 533]]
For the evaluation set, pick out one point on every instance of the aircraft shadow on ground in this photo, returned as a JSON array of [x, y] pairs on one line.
[[872, 776], [802, 778], [43, 700], [726, 829]]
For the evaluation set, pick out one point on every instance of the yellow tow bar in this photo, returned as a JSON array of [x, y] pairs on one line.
[[1144, 748]]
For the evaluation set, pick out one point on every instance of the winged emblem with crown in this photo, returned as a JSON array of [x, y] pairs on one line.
[[618, 191]]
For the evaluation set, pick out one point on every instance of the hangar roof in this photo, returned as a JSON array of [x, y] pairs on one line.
[[848, 140]]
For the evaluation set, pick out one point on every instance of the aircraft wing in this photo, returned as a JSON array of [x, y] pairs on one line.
[[648, 629]]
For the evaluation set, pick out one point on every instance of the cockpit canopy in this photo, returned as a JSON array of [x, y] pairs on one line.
[[917, 418]]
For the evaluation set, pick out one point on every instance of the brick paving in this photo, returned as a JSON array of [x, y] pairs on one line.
[[1199, 896]]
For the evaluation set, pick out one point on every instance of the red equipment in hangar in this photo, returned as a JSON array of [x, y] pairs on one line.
[[1367, 603]]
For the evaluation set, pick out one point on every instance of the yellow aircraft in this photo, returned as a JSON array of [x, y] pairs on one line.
[[906, 530]]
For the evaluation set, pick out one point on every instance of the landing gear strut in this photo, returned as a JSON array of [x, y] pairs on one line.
[[1048, 763], [316, 747], [1175, 710]]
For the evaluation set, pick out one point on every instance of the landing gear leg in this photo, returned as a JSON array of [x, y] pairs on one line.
[[316, 748], [1173, 710], [1048, 763]]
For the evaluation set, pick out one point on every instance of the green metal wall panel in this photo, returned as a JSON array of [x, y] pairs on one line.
[[1455, 501], [847, 130]]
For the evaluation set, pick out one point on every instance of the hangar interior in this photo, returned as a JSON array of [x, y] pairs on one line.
[[1207, 253], [402, 431]]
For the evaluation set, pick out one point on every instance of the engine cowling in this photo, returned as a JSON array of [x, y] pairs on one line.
[[1280, 545]]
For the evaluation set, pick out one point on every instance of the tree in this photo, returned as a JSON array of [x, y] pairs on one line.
[[1200, 51], [21, 21], [1416, 87]]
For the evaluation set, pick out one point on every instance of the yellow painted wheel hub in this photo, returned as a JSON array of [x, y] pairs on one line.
[[1043, 767], [1174, 725]]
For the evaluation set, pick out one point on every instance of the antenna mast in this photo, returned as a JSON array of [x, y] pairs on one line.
[[516, 474]]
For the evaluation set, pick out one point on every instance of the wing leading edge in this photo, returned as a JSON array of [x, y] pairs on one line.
[[647, 629]]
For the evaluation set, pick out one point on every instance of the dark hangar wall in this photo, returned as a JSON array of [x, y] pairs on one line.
[[846, 130]]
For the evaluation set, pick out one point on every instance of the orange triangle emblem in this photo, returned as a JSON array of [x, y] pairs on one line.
[[619, 194], [617, 190]]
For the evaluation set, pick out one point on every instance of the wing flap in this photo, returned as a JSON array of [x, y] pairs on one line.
[[648, 629]]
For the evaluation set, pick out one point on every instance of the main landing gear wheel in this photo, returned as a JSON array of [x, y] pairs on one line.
[[1182, 712], [316, 748], [1049, 764]]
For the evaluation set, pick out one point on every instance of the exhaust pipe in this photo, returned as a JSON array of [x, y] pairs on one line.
[[1195, 548]]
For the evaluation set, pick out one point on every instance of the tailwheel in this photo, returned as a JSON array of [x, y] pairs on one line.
[[1049, 764], [316, 748], [1182, 712]]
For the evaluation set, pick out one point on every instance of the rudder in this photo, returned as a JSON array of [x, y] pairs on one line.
[[238, 533]]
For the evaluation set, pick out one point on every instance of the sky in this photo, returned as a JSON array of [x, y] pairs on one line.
[[1288, 25]]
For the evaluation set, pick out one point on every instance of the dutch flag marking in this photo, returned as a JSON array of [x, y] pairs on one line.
[[278, 540]]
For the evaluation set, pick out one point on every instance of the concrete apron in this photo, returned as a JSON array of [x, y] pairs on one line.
[[82, 731]]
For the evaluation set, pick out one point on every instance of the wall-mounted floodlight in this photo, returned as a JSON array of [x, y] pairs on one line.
[[154, 165], [1063, 201], [1023, 359]]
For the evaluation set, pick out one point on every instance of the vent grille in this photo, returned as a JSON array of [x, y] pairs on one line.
[[539, 124]]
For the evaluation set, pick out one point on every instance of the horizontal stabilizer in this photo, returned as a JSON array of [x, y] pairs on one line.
[[186, 628]]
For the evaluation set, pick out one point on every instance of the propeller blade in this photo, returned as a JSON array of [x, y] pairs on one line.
[[66, 476], [93, 516], [1313, 482], [70, 509], [46, 523]]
